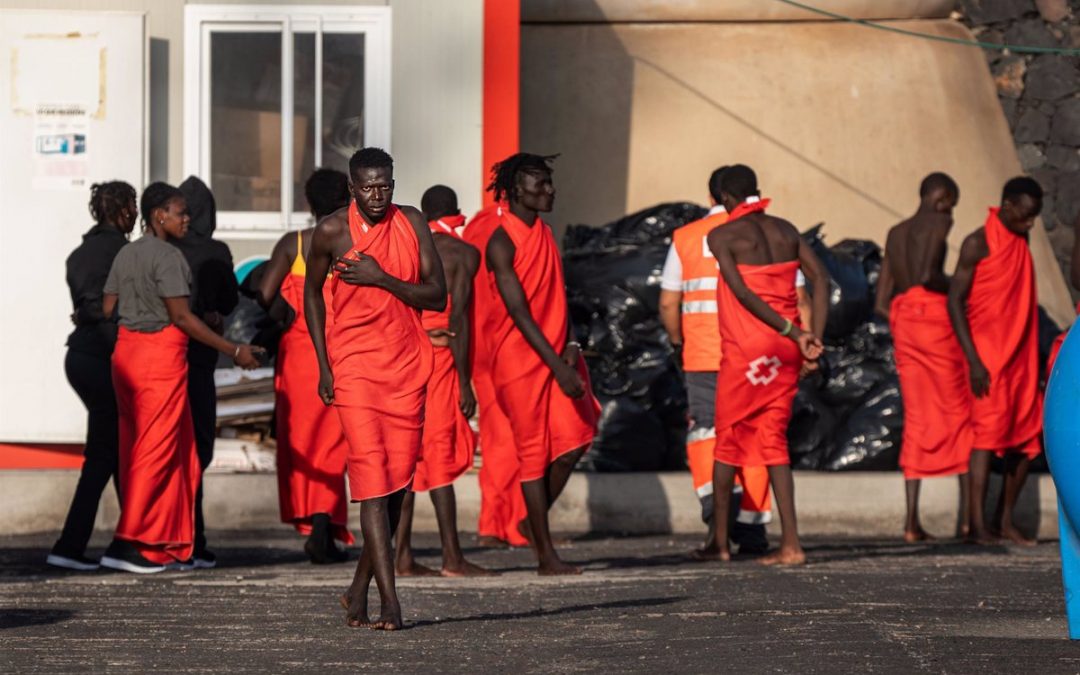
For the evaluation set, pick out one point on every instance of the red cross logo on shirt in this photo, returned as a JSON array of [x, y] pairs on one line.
[[763, 370]]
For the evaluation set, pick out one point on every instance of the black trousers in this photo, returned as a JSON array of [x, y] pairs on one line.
[[91, 378], [202, 395]]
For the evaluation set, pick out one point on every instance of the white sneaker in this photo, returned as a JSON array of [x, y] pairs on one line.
[[79, 564]]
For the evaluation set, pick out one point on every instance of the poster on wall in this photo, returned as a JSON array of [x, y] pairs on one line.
[[61, 136]]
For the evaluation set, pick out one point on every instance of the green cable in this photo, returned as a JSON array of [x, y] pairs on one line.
[[1018, 49]]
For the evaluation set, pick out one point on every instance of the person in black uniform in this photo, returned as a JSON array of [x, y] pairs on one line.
[[88, 364], [214, 295]]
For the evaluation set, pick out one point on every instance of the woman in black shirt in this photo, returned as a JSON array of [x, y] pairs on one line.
[[87, 364]]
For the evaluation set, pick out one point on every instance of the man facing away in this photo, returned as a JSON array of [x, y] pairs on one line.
[[688, 312], [763, 350], [376, 359], [912, 294], [994, 311], [448, 443], [540, 379]]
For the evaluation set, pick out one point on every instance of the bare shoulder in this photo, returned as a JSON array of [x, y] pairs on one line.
[[333, 224], [782, 227], [415, 216], [974, 247]]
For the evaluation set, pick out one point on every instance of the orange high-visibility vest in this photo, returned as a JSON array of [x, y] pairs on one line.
[[700, 325]]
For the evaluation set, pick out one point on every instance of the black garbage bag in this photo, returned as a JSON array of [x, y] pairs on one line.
[[613, 290], [851, 296], [869, 440], [250, 323], [813, 423]]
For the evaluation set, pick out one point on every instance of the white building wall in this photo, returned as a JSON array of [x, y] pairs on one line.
[[437, 90]]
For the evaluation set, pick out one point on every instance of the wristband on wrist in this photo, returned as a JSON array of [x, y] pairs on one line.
[[574, 343], [788, 327], [236, 352]]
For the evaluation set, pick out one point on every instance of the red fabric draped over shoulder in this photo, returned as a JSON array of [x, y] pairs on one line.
[[502, 505], [1003, 314], [546, 422], [381, 359]]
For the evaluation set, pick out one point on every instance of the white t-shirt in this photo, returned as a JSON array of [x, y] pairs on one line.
[[671, 278]]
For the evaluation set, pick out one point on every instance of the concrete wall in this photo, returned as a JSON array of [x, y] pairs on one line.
[[436, 91], [840, 121], [867, 504], [726, 10]]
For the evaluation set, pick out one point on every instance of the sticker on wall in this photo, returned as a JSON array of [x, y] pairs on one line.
[[61, 134]]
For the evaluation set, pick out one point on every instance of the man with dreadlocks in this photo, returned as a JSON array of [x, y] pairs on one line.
[[376, 359], [88, 363], [539, 376]]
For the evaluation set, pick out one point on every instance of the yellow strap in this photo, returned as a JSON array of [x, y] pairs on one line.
[[299, 265]]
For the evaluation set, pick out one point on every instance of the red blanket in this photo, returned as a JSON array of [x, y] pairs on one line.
[[1002, 311], [311, 447], [502, 505], [546, 422], [937, 398], [159, 470], [382, 360], [759, 370]]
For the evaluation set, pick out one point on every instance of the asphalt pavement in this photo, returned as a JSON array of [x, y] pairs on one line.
[[641, 606]]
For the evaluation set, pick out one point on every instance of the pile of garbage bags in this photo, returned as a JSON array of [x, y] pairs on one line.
[[847, 416], [613, 289]]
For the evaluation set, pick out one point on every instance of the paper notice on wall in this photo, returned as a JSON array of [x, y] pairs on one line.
[[61, 138]]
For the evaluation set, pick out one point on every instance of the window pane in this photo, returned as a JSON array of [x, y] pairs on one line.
[[343, 98], [343, 104], [245, 120], [304, 110]]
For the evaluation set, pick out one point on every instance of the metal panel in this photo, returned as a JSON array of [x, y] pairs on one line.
[[43, 224]]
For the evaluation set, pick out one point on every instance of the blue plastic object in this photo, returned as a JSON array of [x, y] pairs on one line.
[[1062, 433]]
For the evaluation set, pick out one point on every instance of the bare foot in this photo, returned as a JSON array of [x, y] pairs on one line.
[[783, 557], [711, 553], [556, 567], [983, 537], [489, 541], [325, 552], [963, 531], [525, 530], [389, 619], [355, 617], [411, 568], [917, 535], [467, 569], [1014, 536]]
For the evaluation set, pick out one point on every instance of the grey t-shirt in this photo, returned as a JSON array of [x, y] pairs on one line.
[[143, 273]]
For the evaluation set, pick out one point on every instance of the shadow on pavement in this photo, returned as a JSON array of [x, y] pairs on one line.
[[572, 609], [18, 618]]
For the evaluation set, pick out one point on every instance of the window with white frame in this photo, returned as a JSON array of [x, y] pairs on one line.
[[276, 91]]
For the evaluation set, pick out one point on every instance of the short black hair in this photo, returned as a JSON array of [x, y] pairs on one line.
[[108, 199], [326, 191], [714, 183], [1021, 185], [157, 195], [439, 201], [370, 158], [739, 181], [938, 181], [504, 174]]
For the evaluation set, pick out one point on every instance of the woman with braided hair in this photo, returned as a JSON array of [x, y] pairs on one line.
[[87, 364]]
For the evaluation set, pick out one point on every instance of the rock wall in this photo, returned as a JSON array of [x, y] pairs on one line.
[[1040, 95]]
